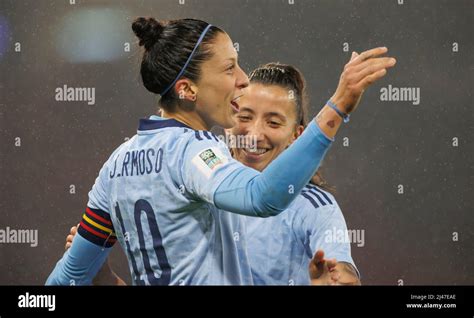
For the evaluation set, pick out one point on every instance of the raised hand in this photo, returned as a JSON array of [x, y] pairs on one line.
[[360, 72]]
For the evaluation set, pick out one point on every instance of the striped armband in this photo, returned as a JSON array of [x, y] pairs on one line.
[[96, 227]]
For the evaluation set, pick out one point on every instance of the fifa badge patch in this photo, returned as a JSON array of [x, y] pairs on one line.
[[207, 161]]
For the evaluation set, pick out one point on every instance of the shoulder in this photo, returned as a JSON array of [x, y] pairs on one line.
[[315, 197], [314, 203], [203, 135], [205, 143]]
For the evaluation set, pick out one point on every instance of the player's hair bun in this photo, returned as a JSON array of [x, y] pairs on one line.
[[148, 30]]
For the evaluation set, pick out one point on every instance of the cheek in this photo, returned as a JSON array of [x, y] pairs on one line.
[[213, 92], [227, 85], [239, 128], [281, 139]]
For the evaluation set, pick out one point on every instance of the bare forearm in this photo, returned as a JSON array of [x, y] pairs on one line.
[[328, 121]]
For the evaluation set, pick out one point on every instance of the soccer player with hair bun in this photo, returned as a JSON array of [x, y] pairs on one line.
[[161, 194]]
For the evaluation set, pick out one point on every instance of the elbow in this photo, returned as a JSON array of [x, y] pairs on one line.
[[272, 200], [265, 210]]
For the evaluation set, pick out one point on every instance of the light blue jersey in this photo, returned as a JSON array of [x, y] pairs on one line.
[[161, 195], [280, 248], [159, 190]]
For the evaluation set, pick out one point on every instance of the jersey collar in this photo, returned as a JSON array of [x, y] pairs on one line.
[[156, 122]]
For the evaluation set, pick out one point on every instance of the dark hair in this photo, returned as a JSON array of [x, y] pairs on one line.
[[168, 45], [289, 77]]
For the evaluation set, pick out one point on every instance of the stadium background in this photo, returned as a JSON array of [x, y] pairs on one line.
[[423, 236]]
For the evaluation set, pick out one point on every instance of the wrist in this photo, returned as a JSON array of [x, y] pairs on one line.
[[341, 103], [337, 109]]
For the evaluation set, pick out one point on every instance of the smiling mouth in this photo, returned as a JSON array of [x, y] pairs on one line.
[[235, 106], [255, 153]]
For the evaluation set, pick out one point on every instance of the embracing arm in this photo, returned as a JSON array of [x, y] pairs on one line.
[[105, 276], [79, 264], [248, 192]]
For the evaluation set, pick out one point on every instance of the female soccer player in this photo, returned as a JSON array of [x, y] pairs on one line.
[[160, 193], [280, 249]]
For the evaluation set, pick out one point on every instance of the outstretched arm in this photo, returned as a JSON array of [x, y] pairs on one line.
[[269, 193]]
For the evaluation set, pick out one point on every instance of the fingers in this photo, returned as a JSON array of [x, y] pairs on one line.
[[331, 264], [353, 56], [69, 240], [369, 54], [368, 80], [316, 266], [369, 66], [373, 68], [318, 256], [70, 237], [335, 277]]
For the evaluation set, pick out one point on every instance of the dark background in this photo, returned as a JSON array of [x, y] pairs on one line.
[[408, 237]]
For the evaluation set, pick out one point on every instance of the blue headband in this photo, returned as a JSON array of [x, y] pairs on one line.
[[189, 59]]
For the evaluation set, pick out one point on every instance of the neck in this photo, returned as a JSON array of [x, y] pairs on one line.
[[191, 119]]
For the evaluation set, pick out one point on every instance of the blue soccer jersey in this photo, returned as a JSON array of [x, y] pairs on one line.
[[159, 187], [161, 195], [280, 248]]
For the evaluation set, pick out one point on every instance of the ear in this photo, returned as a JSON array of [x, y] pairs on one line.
[[186, 89], [298, 131]]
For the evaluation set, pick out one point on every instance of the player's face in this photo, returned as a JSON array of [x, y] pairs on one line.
[[268, 113], [221, 84]]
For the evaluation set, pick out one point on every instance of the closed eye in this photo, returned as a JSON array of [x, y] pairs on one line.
[[244, 118]]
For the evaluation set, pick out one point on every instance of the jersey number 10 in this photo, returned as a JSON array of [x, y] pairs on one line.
[[144, 206]]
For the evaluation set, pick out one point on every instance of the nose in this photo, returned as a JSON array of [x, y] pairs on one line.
[[242, 79], [256, 130]]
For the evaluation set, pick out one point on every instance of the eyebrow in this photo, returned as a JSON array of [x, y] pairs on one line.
[[246, 109], [231, 59], [269, 114]]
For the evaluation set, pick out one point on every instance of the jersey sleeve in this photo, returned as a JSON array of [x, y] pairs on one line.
[[93, 242], [207, 162], [89, 250], [209, 172], [98, 198], [80, 264], [326, 229]]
